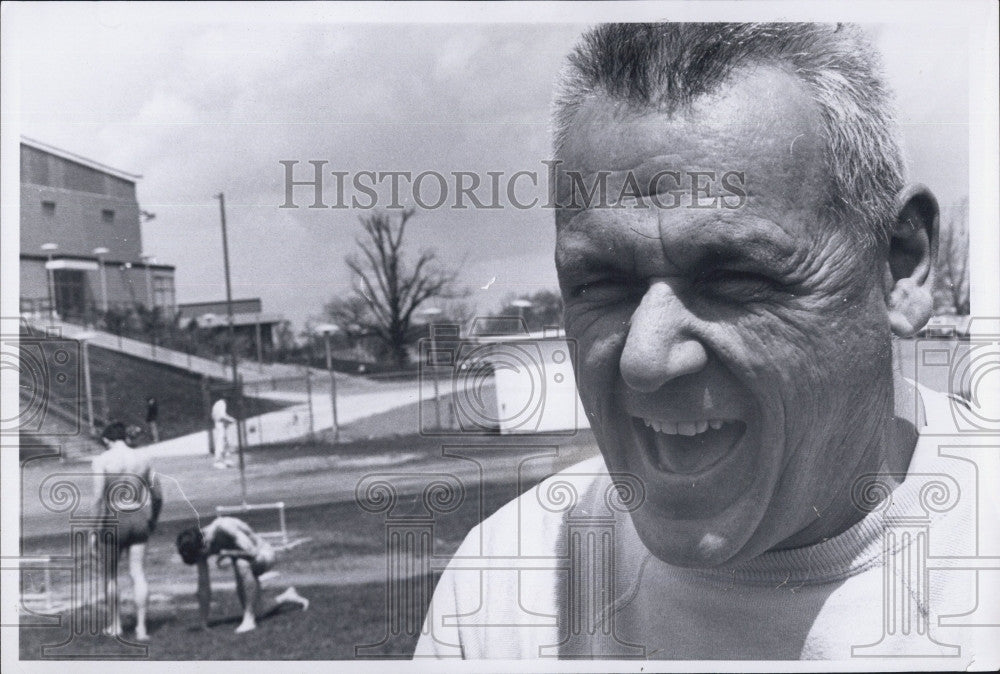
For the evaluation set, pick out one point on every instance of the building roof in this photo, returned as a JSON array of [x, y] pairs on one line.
[[210, 320], [246, 305], [509, 329], [108, 262], [90, 163], [553, 333], [246, 311]]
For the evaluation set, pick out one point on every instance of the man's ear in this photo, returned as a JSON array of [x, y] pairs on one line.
[[909, 273]]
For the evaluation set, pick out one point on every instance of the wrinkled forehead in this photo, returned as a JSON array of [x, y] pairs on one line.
[[762, 125]]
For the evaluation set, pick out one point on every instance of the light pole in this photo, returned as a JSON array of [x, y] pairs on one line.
[[148, 260], [431, 312], [83, 337], [50, 248], [100, 252], [328, 329], [232, 341], [260, 348], [521, 305]]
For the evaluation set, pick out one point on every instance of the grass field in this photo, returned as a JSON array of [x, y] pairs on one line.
[[120, 387], [341, 568], [129, 381], [341, 571], [339, 618]]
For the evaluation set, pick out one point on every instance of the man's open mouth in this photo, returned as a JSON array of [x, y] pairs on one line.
[[688, 447]]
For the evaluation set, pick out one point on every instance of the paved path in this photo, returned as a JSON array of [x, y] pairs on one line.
[[358, 397], [293, 422]]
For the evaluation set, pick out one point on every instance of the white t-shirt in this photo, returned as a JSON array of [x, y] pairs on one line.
[[561, 572], [219, 414]]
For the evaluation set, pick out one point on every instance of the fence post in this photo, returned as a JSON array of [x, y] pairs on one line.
[[241, 422], [312, 429], [103, 398], [260, 417], [241, 434], [206, 401]]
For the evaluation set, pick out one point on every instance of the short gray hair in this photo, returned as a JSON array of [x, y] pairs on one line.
[[667, 66]]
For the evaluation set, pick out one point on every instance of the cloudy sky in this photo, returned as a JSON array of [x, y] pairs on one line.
[[205, 103]]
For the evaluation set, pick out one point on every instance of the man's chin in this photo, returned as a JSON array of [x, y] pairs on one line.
[[697, 545]]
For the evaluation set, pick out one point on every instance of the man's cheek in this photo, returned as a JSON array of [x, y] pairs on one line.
[[597, 356], [768, 343], [599, 337], [779, 354]]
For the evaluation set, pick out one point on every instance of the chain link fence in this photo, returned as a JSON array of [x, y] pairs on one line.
[[267, 411]]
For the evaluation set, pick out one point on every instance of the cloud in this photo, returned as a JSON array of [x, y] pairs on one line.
[[200, 107]]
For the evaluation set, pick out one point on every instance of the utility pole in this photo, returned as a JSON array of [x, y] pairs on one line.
[[333, 388], [238, 399], [49, 248], [431, 312]]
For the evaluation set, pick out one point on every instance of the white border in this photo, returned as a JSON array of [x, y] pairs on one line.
[[980, 15]]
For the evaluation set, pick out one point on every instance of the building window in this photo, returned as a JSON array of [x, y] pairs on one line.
[[108, 215], [163, 291], [49, 207]]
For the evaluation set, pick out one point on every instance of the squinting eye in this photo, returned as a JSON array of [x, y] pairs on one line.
[[735, 282], [604, 287]]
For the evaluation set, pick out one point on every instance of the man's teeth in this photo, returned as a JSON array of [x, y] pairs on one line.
[[684, 427]]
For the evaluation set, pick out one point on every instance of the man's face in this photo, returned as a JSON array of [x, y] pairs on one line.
[[737, 360]]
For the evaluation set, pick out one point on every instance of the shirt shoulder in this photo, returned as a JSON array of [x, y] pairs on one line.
[[532, 523], [497, 596], [98, 462]]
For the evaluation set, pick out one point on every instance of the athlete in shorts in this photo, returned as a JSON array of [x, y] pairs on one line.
[[251, 556], [127, 491]]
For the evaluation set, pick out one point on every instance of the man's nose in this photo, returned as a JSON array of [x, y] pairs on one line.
[[659, 346]]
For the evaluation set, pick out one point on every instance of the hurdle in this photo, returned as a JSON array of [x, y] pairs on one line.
[[36, 598], [278, 538], [43, 596]]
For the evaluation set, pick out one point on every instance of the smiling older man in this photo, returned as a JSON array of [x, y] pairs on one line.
[[735, 359]]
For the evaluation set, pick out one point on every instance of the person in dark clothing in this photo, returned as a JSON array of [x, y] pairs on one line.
[[152, 415]]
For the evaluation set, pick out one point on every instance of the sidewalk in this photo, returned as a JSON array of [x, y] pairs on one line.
[[293, 422]]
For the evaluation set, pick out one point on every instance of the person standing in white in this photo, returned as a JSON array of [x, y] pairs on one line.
[[222, 421]]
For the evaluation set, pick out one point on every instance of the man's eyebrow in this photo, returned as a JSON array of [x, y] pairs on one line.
[[755, 248], [738, 238]]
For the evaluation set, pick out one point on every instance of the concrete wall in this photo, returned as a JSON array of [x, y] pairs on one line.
[[535, 387], [34, 283]]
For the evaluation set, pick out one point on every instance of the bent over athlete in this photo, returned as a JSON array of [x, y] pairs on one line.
[[251, 556]]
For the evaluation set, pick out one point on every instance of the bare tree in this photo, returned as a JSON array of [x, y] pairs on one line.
[[389, 288], [951, 291], [283, 341], [350, 313], [459, 312]]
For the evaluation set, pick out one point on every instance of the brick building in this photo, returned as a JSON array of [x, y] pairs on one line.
[[250, 322], [81, 241]]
